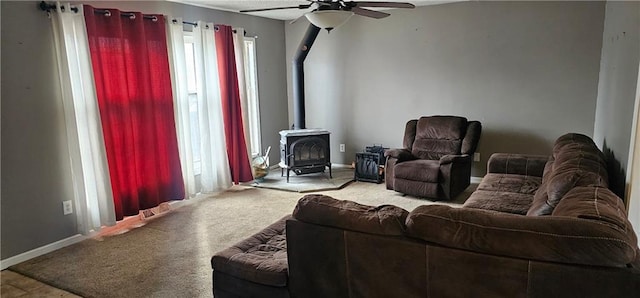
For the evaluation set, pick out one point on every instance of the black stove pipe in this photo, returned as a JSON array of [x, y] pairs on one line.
[[298, 76]]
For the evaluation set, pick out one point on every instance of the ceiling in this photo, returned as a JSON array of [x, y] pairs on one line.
[[285, 14]]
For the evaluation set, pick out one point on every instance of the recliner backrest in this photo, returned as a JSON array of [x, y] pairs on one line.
[[409, 134], [436, 136]]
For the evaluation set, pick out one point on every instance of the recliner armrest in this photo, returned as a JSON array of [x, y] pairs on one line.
[[400, 154], [451, 158]]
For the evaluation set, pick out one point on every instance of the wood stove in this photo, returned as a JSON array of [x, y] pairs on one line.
[[304, 151]]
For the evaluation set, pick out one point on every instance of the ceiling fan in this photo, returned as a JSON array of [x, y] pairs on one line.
[[328, 14]]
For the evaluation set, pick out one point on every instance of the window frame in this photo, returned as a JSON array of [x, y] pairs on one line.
[[193, 94], [253, 97]]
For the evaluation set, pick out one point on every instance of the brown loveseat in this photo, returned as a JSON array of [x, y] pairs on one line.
[[536, 226]]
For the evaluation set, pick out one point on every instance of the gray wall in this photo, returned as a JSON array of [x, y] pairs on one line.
[[617, 87], [35, 165], [528, 71]]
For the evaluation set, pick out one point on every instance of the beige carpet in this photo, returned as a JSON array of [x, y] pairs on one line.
[[170, 255], [340, 177]]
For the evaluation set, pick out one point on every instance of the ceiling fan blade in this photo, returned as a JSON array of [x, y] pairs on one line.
[[303, 6], [321, 3], [369, 13], [382, 4]]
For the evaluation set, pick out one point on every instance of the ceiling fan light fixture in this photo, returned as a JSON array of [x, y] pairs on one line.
[[328, 19]]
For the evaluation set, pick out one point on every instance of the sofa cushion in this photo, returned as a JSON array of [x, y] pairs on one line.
[[581, 153], [418, 170], [571, 139], [508, 202], [540, 197], [576, 161], [567, 177], [540, 204], [587, 158], [504, 192], [548, 169], [261, 258], [561, 182], [561, 239], [348, 215], [510, 183], [592, 202]]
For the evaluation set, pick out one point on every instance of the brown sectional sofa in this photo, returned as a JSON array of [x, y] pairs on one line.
[[537, 226]]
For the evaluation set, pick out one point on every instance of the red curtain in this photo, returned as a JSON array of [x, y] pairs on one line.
[[231, 111], [131, 71]]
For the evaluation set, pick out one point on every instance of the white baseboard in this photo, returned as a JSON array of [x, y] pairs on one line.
[[476, 179], [4, 264]]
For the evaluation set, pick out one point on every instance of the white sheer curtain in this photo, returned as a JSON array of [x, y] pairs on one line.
[[238, 47], [93, 199], [216, 174], [181, 103], [214, 164]]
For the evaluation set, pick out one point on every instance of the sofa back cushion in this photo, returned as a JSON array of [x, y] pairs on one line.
[[561, 239], [597, 203], [539, 205], [566, 178], [437, 136], [571, 139], [348, 215], [577, 161]]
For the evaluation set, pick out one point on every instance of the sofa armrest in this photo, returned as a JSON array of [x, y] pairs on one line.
[[521, 164], [450, 158], [400, 154], [561, 239]]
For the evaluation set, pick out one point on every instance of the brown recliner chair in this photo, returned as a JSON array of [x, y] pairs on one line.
[[436, 159]]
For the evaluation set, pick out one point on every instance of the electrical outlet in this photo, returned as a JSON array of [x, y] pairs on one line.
[[342, 148], [476, 156], [67, 208]]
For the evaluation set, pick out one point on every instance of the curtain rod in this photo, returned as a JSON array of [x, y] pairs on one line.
[[194, 24], [107, 13], [48, 7]]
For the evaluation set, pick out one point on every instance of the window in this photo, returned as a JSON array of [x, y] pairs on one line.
[[192, 85], [251, 79], [253, 106]]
